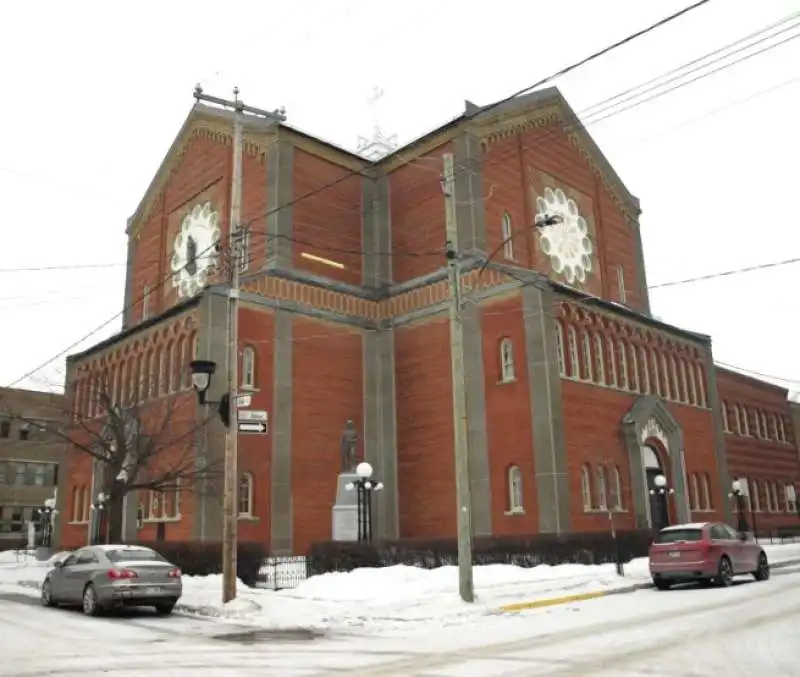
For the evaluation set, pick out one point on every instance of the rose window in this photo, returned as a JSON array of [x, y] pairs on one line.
[[568, 244], [195, 250]]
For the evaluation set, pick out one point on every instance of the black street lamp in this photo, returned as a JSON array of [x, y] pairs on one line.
[[737, 492], [660, 493], [98, 508], [364, 486], [47, 515], [202, 371]]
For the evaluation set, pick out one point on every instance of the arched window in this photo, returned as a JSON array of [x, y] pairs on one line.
[[692, 384], [624, 382], [599, 360], [684, 382], [602, 489], [781, 429], [152, 376], [673, 370], [706, 492], [617, 488], [586, 343], [114, 394], [645, 371], [764, 426], [248, 367], [86, 504], [574, 360], [633, 370], [182, 367], [701, 387], [612, 362], [515, 498], [172, 367], [586, 487], [506, 361], [724, 410], [124, 384], [695, 497], [77, 504], [163, 370], [665, 376], [141, 378], [246, 495], [745, 422], [562, 367], [656, 380], [755, 496], [508, 233]]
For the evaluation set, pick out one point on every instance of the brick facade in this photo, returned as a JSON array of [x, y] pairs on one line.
[[576, 396]]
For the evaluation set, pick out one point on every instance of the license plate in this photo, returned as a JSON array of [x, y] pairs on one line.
[[674, 554], [152, 591]]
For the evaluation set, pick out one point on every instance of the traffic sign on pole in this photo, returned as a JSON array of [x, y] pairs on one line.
[[253, 427]]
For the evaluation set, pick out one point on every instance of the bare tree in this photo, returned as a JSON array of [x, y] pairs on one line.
[[136, 446]]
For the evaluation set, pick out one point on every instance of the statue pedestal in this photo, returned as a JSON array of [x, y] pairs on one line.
[[344, 525]]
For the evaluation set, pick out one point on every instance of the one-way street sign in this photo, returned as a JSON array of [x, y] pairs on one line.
[[253, 427]]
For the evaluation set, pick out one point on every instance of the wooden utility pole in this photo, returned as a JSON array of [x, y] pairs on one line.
[[230, 504], [466, 586]]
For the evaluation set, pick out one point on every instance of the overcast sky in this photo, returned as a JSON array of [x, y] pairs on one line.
[[93, 94]]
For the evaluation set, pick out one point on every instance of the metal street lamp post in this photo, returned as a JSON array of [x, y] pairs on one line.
[[660, 493], [98, 508], [364, 486], [47, 514], [737, 493]]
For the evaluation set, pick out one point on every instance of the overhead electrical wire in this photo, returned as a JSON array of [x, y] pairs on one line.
[[563, 71]]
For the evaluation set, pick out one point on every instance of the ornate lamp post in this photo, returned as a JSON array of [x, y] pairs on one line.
[[737, 493], [364, 486], [47, 514], [660, 493]]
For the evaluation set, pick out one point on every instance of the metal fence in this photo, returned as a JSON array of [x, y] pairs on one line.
[[280, 573]]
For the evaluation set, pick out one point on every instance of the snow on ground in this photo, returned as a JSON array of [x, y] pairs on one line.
[[387, 599], [748, 629]]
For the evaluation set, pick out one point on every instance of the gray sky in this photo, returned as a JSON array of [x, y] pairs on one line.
[[93, 93]]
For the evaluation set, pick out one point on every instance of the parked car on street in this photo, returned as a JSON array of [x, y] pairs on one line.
[[707, 552], [101, 578]]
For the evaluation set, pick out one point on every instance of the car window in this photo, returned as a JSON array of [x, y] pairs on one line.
[[719, 533], [732, 533], [86, 557], [134, 554], [68, 560], [675, 535]]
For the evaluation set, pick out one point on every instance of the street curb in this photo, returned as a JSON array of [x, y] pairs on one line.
[[582, 597]]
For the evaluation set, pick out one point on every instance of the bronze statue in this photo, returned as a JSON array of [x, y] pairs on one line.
[[347, 447]]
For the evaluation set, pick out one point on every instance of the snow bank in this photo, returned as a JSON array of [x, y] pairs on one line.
[[381, 599]]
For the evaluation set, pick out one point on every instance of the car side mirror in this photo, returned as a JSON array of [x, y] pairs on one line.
[[58, 564]]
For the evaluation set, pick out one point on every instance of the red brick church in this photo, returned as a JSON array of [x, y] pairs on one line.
[[577, 396]]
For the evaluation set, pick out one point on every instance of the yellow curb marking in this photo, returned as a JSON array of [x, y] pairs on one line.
[[553, 601]]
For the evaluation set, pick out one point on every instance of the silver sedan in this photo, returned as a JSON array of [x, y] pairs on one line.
[[105, 577]]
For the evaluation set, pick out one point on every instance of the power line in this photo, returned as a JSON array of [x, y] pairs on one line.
[[368, 164], [725, 273]]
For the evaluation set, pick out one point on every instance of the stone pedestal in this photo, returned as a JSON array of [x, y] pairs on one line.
[[345, 510]]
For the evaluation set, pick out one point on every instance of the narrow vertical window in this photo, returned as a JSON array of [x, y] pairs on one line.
[[586, 341], [701, 387], [515, 498], [623, 366], [574, 360], [676, 388], [645, 371], [145, 302], [507, 234], [602, 490], [684, 382], [599, 360], [665, 376], [656, 380], [506, 361], [623, 296], [612, 362], [725, 424], [586, 487], [695, 498], [248, 367], [636, 383], [618, 503], [562, 367]]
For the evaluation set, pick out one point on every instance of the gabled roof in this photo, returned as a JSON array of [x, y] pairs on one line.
[[220, 121]]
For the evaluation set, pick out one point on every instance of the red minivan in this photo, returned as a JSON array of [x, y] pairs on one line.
[[705, 551]]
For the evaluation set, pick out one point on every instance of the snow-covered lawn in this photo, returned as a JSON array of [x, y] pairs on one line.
[[381, 599]]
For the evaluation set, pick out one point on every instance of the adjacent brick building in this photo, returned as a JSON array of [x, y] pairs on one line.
[[577, 397], [31, 455]]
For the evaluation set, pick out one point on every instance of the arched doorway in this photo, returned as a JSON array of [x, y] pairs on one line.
[[659, 505]]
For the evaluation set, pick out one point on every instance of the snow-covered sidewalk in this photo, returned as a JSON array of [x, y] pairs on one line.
[[382, 599]]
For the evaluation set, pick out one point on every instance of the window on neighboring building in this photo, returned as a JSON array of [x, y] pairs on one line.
[[694, 498], [246, 495], [599, 359], [656, 379], [248, 367], [706, 492], [755, 497], [617, 488], [507, 233], [665, 377], [586, 342], [612, 363], [645, 371], [724, 409], [515, 498], [506, 361], [562, 367], [623, 366], [25, 431], [635, 381], [791, 498], [5, 429], [701, 387]]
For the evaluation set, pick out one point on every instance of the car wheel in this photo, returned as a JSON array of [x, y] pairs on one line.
[[724, 572], [662, 584], [47, 593], [165, 608], [762, 573], [90, 605]]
